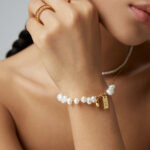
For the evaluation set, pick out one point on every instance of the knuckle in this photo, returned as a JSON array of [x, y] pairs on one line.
[[55, 28], [73, 18], [44, 38], [50, 34], [89, 8], [30, 4], [28, 24]]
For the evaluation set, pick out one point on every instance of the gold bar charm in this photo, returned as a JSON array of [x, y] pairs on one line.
[[97, 102], [105, 102]]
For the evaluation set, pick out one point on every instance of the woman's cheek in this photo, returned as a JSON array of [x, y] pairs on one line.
[[126, 29], [117, 20]]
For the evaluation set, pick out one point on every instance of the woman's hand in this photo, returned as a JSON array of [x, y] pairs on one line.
[[69, 40]]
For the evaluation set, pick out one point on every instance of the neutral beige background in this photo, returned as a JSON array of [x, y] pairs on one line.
[[13, 16]]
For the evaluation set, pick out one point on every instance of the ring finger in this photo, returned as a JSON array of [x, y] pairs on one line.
[[46, 16]]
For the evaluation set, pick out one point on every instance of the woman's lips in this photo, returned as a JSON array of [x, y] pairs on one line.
[[142, 13], [145, 7]]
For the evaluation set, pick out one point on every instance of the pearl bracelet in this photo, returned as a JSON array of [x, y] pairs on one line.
[[89, 100]]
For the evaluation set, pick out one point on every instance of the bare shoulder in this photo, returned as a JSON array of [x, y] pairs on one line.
[[5, 81], [7, 125], [11, 69], [4, 75], [24, 71]]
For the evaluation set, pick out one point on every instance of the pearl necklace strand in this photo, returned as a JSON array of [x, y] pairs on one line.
[[122, 65], [111, 87]]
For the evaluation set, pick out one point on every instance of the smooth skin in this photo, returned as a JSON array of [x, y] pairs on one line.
[[33, 81]]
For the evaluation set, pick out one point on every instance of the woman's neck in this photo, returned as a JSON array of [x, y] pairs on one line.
[[113, 54]]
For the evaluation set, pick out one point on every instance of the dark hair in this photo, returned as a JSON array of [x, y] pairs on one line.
[[24, 40]]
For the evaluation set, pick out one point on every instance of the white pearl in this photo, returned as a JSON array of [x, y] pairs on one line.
[[83, 99], [59, 97], [64, 99], [69, 101], [110, 92], [112, 86], [76, 100], [89, 100], [93, 99]]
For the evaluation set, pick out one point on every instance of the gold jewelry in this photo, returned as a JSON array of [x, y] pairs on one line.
[[44, 7], [44, 1], [102, 101], [41, 9], [69, 1]]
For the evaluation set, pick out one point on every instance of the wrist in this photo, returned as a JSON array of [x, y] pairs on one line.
[[86, 87]]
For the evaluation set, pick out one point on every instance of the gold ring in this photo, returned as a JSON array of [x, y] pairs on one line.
[[41, 9], [45, 2]]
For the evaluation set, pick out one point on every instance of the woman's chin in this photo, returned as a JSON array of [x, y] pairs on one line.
[[133, 42], [131, 36], [132, 39]]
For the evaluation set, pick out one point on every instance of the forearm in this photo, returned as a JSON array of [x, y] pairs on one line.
[[93, 128]]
